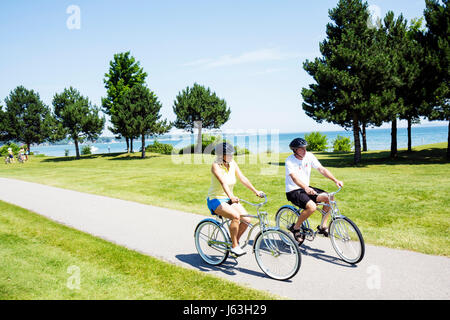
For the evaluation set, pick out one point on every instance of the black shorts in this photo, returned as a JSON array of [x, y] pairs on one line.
[[300, 198]]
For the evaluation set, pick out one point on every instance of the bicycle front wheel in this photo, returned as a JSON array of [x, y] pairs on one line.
[[347, 240], [277, 254], [212, 242]]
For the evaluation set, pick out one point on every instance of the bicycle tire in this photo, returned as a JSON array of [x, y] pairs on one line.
[[345, 236], [277, 254], [206, 233]]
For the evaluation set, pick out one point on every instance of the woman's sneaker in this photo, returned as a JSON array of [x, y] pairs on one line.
[[237, 251]]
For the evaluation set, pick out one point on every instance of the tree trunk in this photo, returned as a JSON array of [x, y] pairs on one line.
[[28, 148], [77, 148], [364, 138], [357, 157], [143, 146], [409, 135], [128, 145], [394, 138], [131, 145], [198, 147]]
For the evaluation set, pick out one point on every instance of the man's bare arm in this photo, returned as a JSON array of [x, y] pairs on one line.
[[327, 174]]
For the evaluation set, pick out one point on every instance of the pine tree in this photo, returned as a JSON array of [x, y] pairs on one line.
[[76, 117], [26, 118], [340, 94], [413, 91], [140, 109], [199, 104], [437, 56], [3, 132], [124, 73]]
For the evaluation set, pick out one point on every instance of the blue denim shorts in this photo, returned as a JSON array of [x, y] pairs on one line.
[[214, 203]]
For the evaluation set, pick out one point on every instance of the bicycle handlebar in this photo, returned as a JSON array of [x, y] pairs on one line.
[[256, 204], [265, 199], [333, 193]]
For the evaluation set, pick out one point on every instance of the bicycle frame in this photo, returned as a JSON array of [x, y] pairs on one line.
[[261, 216], [334, 212]]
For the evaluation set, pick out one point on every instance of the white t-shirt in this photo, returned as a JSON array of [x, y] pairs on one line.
[[302, 167]]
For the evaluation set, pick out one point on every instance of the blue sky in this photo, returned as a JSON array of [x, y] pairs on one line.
[[249, 52]]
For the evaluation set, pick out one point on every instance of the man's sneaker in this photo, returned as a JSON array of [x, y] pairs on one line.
[[323, 231], [298, 235], [237, 251]]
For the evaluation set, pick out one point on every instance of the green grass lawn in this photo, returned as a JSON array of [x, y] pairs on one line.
[[41, 259], [402, 203]]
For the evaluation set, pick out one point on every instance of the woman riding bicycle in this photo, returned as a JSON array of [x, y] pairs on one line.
[[221, 200]]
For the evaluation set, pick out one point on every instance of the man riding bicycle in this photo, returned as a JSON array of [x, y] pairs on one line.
[[298, 190]]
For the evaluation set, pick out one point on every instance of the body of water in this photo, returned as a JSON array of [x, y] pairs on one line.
[[263, 140]]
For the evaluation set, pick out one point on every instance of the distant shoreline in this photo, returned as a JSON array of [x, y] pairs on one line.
[[257, 141], [212, 132]]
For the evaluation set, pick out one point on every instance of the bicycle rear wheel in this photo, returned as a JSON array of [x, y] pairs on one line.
[[277, 254], [347, 240], [212, 242], [286, 216]]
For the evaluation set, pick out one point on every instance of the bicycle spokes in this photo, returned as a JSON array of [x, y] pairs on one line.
[[347, 240], [277, 254]]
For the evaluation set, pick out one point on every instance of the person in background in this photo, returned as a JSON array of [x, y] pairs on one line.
[[10, 155]]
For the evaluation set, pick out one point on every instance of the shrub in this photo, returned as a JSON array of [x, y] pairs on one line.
[[208, 143], [239, 150], [158, 147], [4, 149], [86, 150], [342, 144], [316, 141]]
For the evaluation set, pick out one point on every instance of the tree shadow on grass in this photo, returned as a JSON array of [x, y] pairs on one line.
[[111, 156], [71, 158], [418, 157], [133, 157]]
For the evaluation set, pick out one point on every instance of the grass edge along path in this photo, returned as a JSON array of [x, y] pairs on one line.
[[42, 259]]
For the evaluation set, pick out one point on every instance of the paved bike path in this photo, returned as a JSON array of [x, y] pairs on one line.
[[168, 234]]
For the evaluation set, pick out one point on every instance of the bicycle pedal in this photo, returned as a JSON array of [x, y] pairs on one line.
[[309, 234]]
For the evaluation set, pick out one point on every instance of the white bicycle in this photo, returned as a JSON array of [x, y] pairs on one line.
[[345, 236], [276, 252]]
